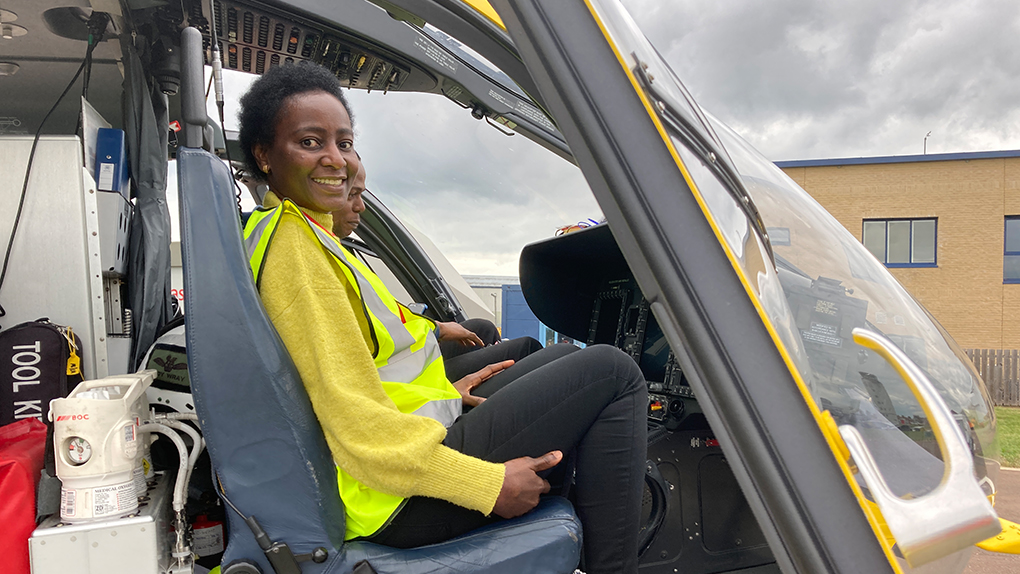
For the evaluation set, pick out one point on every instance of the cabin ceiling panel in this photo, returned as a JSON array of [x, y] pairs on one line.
[[46, 63]]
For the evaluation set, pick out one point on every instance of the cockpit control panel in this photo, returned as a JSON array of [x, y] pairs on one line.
[[580, 285], [621, 317], [253, 38]]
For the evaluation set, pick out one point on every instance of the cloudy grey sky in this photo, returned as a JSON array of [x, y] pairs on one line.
[[807, 79], [797, 78]]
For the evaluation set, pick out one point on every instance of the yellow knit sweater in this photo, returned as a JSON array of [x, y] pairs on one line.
[[308, 300]]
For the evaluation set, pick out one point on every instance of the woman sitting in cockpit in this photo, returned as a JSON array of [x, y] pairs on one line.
[[413, 470]]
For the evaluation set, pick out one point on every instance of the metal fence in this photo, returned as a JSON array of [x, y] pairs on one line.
[[1000, 370]]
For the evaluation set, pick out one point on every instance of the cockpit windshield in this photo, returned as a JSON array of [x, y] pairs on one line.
[[816, 283], [832, 284]]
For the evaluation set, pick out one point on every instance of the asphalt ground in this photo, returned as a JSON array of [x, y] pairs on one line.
[[1007, 505]]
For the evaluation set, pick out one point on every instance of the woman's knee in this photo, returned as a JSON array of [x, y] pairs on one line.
[[609, 359], [523, 347], [607, 355], [558, 350], [484, 328], [532, 344]]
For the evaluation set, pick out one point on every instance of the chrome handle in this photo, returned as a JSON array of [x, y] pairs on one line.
[[953, 516]]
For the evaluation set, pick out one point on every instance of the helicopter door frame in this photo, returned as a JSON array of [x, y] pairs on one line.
[[781, 459]]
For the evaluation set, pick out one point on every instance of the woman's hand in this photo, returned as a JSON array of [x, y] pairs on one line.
[[457, 332], [521, 484], [468, 383]]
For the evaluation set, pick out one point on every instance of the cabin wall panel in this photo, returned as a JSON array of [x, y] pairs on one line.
[[54, 269]]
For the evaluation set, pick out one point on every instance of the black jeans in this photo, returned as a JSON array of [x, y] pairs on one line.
[[591, 402], [477, 359], [486, 331]]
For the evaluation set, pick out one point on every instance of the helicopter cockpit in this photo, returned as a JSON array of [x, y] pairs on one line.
[[798, 395]]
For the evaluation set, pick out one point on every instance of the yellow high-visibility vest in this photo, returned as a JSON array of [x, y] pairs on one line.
[[405, 351]]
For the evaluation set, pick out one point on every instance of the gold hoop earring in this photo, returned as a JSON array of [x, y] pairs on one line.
[[265, 168]]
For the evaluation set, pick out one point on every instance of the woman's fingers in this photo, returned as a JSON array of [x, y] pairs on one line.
[[522, 486], [478, 377], [467, 384], [492, 370], [547, 460]]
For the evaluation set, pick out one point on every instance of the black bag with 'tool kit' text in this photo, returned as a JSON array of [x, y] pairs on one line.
[[39, 361]]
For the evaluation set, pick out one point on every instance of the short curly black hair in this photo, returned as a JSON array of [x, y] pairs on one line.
[[261, 104]]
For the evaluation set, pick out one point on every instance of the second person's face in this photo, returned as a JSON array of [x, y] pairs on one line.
[[347, 220], [311, 160]]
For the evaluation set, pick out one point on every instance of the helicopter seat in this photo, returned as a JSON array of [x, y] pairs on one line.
[[268, 451]]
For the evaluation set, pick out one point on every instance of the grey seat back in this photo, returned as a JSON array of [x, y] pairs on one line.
[[263, 437]]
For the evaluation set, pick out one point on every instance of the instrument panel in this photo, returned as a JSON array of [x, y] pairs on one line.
[[621, 317], [580, 285]]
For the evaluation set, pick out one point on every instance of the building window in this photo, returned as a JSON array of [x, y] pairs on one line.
[[1011, 257], [904, 242]]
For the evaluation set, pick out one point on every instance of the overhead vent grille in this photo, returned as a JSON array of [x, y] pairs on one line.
[[278, 37], [254, 40], [263, 32], [249, 27]]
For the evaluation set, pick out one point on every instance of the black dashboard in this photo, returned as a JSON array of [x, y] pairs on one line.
[[580, 285]]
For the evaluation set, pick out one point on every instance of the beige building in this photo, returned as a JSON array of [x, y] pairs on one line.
[[947, 226]]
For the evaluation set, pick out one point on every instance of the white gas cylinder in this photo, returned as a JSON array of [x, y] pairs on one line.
[[96, 440]]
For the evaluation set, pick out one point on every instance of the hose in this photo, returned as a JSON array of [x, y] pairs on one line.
[[180, 486], [196, 440], [181, 552]]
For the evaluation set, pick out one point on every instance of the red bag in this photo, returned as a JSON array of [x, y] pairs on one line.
[[21, 458]]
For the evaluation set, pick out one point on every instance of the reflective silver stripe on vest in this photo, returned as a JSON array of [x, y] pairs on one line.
[[445, 411], [404, 365], [251, 242]]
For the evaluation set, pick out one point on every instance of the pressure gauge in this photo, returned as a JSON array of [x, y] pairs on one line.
[[79, 451]]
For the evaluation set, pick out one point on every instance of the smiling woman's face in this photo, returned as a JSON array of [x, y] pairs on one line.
[[311, 160]]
